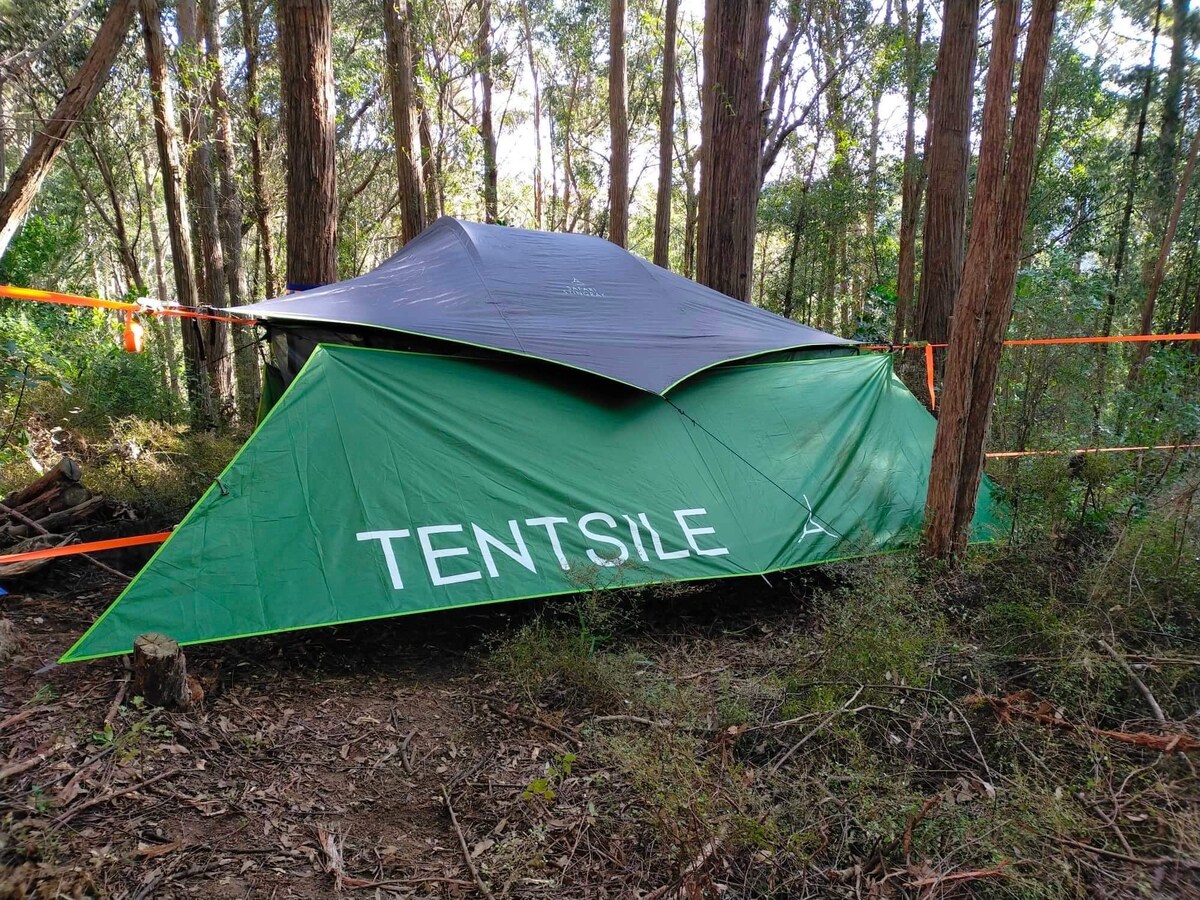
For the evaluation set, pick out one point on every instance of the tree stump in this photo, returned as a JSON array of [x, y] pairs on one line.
[[160, 673]]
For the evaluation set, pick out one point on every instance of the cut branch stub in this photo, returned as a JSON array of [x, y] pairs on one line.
[[160, 673]]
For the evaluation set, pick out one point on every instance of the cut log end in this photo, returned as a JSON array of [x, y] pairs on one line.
[[160, 673]]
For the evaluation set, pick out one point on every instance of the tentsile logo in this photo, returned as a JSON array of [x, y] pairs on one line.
[[813, 525], [579, 289]]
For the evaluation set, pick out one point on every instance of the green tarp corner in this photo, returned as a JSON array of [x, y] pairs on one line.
[[387, 483]]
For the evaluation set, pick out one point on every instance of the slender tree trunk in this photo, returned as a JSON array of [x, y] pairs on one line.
[[51, 137], [538, 188], [165, 327], [404, 120], [205, 206], [125, 249], [245, 357], [3, 131], [618, 123], [433, 191], [1146, 326], [178, 228], [947, 158], [1166, 152], [984, 306], [262, 203], [687, 171], [912, 182], [306, 73], [735, 47], [487, 128], [798, 227], [666, 141]]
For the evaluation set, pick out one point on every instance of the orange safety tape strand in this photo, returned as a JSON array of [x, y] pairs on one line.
[[1009, 454], [20, 293], [93, 547], [929, 375], [1032, 342]]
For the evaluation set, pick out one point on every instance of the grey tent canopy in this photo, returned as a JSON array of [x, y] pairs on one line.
[[572, 299]]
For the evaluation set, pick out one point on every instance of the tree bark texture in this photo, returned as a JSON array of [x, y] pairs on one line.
[[538, 187], [51, 137], [306, 73], [666, 140], [912, 182], [202, 191], [178, 225], [735, 46], [262, 203], [231, 213], [984, 306], [618, 123], [487, 127], [401, 78], [947, 159]]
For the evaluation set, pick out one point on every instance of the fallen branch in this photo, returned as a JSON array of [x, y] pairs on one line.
[[1121, 661], [466, 851], [824, 723], [1018, 705], [533, 720], [112, 795], [19, 768], [973, 875], [21, 517], [1138, 860]]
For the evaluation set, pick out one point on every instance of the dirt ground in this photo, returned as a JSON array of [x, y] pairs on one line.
[[317, 763], [704, 758]]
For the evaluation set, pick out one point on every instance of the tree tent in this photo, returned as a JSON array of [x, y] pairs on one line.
[[496, 414]]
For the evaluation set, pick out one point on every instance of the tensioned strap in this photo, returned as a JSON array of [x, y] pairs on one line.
[[92, 547], [13, 292]]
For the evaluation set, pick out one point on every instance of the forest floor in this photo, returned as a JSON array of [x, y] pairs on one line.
[[836, 733]]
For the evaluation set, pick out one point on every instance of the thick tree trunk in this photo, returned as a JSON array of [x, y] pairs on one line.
[[306, 74], [487, 128], [231, 216], [984, 306], [538, 188], [666, 140], [913, 179], [947, 158], [178, 228], [735, 47], [52, 136], [618, 123], [258, 168], [404, 118], [206, 222]]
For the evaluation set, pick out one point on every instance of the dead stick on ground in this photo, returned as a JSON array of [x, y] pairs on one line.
[[19, 768], [466, 851], [1121, 661], [116, 704], [775, 766], [97, 801], [1140, 860], [18, 718], [21, 517]]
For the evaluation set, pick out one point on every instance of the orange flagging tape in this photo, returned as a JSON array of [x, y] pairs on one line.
[[182, 312], [1010, 454], [929, 376], [1034, 342], [93, 547]]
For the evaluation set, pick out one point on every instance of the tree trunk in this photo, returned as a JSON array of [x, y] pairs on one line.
[[618, 123], [51, 137], [538, 188], [666, 141], [487, 128], [913, 179], [1146, 326], [178, 228], [798, 227], [947, 158], [1167, 146], [735, 47], [433, 191], [262, 204], [164, 328], [231, 214], [306, 76], [984, 306], [404, 120], [206, 222]]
